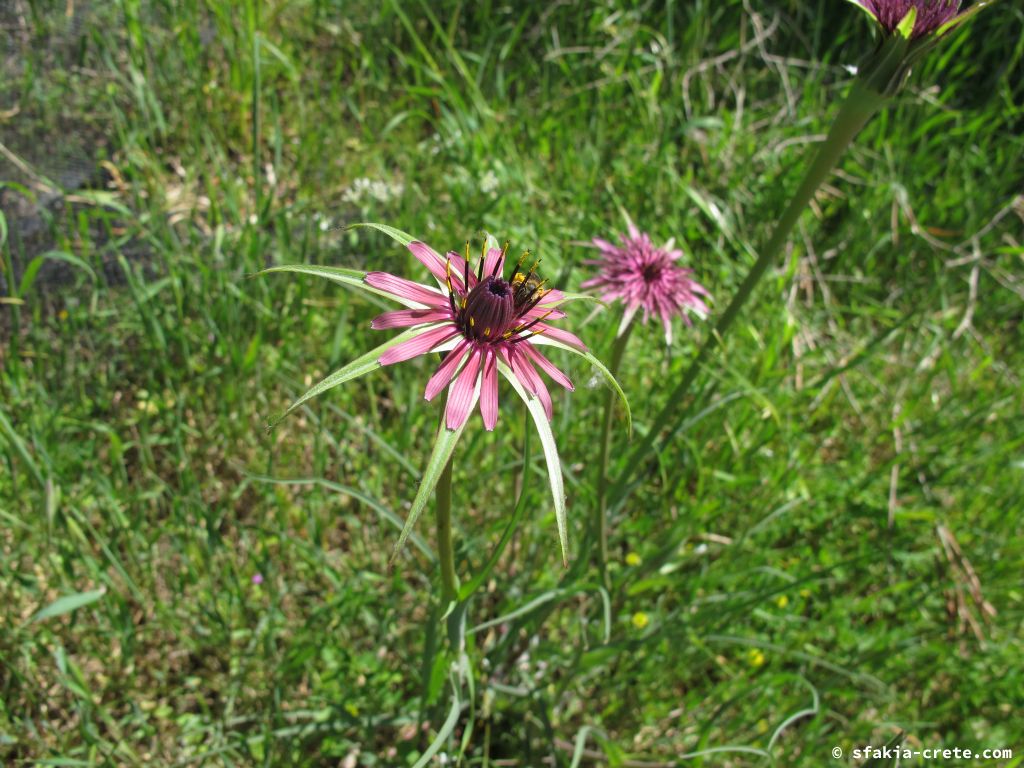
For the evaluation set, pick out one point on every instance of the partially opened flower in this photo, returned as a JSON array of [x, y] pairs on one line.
[[929, 16], [910, 28], [646, 277], [485, 319]]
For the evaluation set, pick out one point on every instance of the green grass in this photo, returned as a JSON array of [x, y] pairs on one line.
[[829, 550]]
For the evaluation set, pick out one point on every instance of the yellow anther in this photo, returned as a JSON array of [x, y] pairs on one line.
[[487, 331]]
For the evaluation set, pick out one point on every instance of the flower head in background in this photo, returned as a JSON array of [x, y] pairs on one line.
[[929, 15], [646, 277], [910, 28], [480, 317]]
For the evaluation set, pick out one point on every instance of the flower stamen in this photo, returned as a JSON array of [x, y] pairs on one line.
[[501, 259]]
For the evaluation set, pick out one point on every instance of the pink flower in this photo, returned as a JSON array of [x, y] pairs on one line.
[[480, 320], [645, 277], [486, 324], [929, 15]]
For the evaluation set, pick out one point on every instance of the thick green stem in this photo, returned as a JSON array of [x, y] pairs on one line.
[[445, 551], [861, 103], [600, 523]]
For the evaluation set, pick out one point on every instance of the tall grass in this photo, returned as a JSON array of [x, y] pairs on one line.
[[827, 554]]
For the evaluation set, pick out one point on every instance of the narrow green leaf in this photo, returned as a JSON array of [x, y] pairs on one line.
[[962, 17], [568, 296], [29, 276], [906, 27], [358, 367], [543, 340], [444, 446], [7, 431], [351, 278], [547, 440], [395, 234], [69, 603], [864, 8], [445, 731], [547, 597]]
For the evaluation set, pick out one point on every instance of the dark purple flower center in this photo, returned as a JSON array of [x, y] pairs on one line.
[[931, 14], [495, 310], [651, 271], [489, 310]]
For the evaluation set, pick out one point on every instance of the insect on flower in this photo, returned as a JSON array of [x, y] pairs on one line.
[[486, 320]]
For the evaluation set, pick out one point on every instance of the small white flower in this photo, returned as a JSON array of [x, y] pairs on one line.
[[489, 183]]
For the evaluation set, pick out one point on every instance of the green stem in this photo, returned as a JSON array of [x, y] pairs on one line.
[[445, 551], [861, 103], [600, 523]]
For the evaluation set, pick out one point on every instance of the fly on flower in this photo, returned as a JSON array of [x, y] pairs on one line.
[[485, 319]]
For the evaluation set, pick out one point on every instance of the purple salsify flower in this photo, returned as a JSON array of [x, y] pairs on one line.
[[910, 28], [481, 319], [646, 277], [930, 16], [487, 323]]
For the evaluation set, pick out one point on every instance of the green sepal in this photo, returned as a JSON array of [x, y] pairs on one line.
[[554, 463], [542, 340]]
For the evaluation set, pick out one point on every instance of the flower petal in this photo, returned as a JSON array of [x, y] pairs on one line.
[[443, 375], [405, 291], [402, 318], [542, 311], [559, 335], [491, 262], [530, 379], [627, 317], [547, 366], [430, 258], [489, 391], [461, 396], [458, 270], [521, 367], [419, 345]]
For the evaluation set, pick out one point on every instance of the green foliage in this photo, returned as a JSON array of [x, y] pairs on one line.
[[827, 553]]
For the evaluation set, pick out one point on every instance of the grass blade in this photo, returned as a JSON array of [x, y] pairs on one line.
[[69, 603]]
